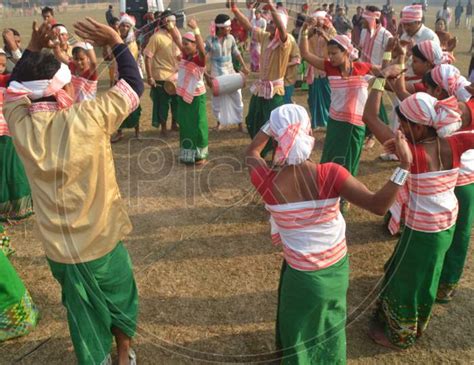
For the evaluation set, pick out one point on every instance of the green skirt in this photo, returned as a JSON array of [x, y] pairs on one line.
[[259, 113], [18, 314], [15, 193], [343, 145], [311, 315], [133, 120], [98, 295], [319, 100], [161, 105], [457, 253], [193, 129], [410, 284]]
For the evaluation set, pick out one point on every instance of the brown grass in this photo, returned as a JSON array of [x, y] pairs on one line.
[[206, 270]]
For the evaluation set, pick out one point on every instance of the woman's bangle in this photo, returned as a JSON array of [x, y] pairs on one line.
[[387, 56], [402, 66], [379, 84], [197, 31], [400, 176], [305, 33]]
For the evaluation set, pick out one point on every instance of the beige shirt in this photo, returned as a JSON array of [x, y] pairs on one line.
[[164, 56], [273, 61], [295, 59], [69, 163], [318, 45]]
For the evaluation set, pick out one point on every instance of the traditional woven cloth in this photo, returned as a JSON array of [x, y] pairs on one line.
[[412, 13]]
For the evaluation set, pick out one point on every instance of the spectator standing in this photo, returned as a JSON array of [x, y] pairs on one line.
[[458, 13], [109, 15]]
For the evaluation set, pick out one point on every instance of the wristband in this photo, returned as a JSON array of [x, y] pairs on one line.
[[305, 33], [402, 66], [387, 56], [400, 176], [379, 84], [197, 31], [170, 26]]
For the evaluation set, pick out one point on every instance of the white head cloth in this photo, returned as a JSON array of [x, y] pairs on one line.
[[449, 78], [290, 125], [442, 115]]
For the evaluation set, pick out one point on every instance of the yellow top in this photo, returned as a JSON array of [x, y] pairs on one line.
[[273, 61], [133, 48], [69, 163], [295, 57], [164, 56]]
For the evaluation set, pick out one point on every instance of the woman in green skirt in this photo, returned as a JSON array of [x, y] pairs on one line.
[[15, 193], [191, 91], [303, 200], [345, 130], [413, 272], [18, 314]]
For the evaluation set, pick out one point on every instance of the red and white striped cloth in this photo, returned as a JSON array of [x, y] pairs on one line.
[[371, 17], [312, 233], [466, 169], [443, 115], [4, 131], [432, 205], [449, 78], [266, 88], [348, 98], [412, 13], [433, 53], [373, 45], [398, 210], [190, 81], [84, 89]]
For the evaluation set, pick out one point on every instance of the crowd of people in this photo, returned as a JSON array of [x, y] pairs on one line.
[[56, 159]]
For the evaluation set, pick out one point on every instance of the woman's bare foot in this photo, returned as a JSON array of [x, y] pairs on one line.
[[377, 334]]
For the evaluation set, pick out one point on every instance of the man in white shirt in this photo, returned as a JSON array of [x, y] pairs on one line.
[[414, 31], [374, 38]]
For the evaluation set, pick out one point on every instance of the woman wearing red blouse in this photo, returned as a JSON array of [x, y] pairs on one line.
[[303, 200]]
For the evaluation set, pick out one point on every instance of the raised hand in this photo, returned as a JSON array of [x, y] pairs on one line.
[[41, 37], [402, 150], [192, 23], [97, 33], [452, 43], [392, 71]]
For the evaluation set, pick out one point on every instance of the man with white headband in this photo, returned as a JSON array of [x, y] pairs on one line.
[[374, 39], [268, 91], [81, 217], [414, 31], [221, 47], [319, 92], [161, 63], [127, 33], [413, 271], [305, 219], [62, 50]]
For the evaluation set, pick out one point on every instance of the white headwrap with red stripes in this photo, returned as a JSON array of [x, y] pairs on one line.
[[442, 115], [39, 89], [371, 17], [433, 53], [412, 13], [290, 125], [449, 78], [346, 43]]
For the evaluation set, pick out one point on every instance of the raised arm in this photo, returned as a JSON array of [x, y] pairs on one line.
[[311, 58], [278, 21], [192, 23], [241, 17], [253, 158], [379, 202], [370, 117]]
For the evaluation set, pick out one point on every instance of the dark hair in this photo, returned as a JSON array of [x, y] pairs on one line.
[[279, 3], [77, 50], [110, 7], [47, 10], [401, 116], [428, 80], [39, 66], [332, 42], [471, 66], [15, 32], [373, 9], [417, 53], [221, 18], [114, 20]]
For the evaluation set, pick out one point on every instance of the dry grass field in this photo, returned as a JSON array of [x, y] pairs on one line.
[[206, 269]]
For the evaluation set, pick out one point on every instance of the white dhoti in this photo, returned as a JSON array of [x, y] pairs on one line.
[[228, 109]]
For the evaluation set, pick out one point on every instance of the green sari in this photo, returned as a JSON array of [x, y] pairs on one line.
[[15, 193], [410, 284], [343, 144], [193, 129], [18, 314], [311, 315], [457, 253]]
